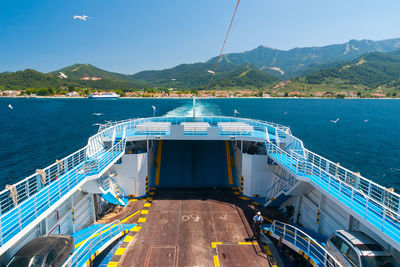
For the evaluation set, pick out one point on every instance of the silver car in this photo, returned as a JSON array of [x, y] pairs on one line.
[[44, 251], [355, 249]]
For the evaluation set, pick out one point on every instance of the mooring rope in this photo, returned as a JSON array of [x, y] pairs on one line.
[[223, 46]]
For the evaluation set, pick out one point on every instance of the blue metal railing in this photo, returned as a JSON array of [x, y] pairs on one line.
[[377, 212], [16, 219], [298, 240], [34, 183], [94, 243]]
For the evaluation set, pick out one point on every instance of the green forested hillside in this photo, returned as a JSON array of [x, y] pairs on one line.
[[33, 79], [371, 70], [196, 76], [77, 71], [28, 79], [244, 76]]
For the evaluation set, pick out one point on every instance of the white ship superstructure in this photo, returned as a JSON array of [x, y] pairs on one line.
[[155, 159]]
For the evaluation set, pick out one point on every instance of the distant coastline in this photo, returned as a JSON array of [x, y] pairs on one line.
[[198, 97]]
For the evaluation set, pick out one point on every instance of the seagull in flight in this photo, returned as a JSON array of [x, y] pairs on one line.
[[96, 124], [366, 120], [211, 72], [285, 113], [97, 114], [10, 107], [335, 121], [83, 17]]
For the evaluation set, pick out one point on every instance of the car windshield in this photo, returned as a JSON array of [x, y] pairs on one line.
[[379, 261], [18, 261]]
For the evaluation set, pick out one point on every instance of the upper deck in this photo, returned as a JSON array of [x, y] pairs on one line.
[[200, 128]]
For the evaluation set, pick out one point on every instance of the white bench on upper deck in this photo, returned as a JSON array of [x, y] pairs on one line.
[[235, 128]]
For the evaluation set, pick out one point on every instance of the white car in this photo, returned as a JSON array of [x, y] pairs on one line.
[[355, 249]]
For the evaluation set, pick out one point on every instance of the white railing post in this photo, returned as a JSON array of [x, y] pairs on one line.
[[19, 218], [1, 235], [295, 237], [329, 183], [383, 218], [35, 201], [352, 197], [48, 196], [59, 187], [284, 231]]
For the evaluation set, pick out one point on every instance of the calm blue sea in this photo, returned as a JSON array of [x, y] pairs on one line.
[[366, 138]]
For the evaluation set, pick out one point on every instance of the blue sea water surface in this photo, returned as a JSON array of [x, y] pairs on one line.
[[366, 138]]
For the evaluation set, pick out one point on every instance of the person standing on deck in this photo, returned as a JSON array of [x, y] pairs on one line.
[[258, 220]]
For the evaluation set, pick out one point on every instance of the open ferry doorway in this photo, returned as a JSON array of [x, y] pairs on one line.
[[194, 164]]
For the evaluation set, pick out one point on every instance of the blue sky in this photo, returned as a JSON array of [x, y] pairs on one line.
[[128, 36]]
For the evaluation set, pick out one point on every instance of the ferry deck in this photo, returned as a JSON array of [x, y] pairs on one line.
[[182, 191]]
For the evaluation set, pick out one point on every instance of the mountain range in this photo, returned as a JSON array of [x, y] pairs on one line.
[[371, 63]]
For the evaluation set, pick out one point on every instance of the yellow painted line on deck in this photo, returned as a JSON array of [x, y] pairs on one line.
[[236, 193], [128, 238], [133, 199], [130, 216], [214, 244], [144, 212], [151, 193], [244, 198], [245, 243], [149, 198], [146, 205], [255, 203], [142, 220], [112, 264], [136, 228], [120, 251], [216, 261], [228, 162], [157, 181]]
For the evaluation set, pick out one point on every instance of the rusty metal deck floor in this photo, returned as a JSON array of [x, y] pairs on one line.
[[182, 225]]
